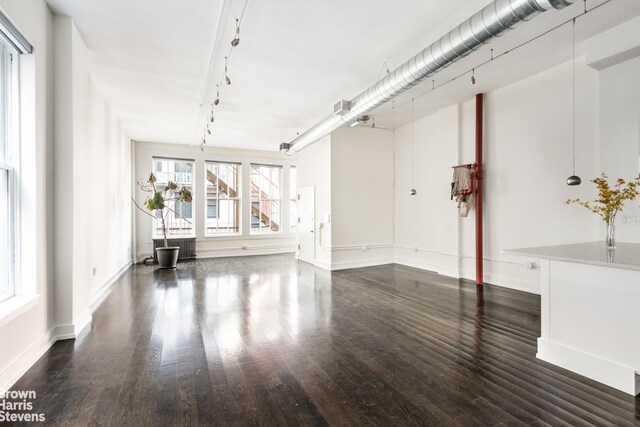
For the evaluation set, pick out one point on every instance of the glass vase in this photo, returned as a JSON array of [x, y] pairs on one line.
[[610, 236]]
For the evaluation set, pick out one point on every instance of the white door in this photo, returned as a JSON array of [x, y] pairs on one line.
[[307, 225]]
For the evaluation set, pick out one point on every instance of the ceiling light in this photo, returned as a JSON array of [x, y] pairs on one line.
[[473, 76], [574, 179], [227, 79], [217, 101], [236, 41]]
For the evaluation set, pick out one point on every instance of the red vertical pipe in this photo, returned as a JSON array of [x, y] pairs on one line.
[[479, 189]]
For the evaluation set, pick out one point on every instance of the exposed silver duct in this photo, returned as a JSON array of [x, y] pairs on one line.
[[491, 21]]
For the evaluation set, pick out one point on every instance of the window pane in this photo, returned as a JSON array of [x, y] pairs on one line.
[[265, 199], [223, 198]]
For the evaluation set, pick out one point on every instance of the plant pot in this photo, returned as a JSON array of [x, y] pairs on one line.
[[167, 257]]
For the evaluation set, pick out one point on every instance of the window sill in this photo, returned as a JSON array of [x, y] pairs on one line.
[[15, 306]]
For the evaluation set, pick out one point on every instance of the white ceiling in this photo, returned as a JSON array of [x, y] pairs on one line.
[[151, 60]]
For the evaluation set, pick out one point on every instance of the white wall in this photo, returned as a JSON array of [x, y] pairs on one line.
[[107, 169], [528, 135], [619, 135], [69, 130], [362, 197], [426, 224], [207, 247], [25, 332], [314, 170]]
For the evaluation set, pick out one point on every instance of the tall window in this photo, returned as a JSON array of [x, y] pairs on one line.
[[265, 199], [293, 199], [8, 162], [223, 198], [180, 220]]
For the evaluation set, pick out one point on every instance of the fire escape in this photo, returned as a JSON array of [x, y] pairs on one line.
[[255, 211]]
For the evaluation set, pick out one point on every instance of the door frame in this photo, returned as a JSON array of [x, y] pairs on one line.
[[313, 194]]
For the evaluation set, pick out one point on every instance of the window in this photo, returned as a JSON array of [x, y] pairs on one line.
[[223, 198], [265, 199], [180, 221], [293, 199], [8, 163]]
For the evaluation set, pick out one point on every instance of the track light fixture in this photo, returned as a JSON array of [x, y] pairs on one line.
[[473, 76], [226, 77], [236, 41], [217, 100]]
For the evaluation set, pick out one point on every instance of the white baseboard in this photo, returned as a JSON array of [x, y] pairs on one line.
[[101, 293], [323, 265], [602, 370], [26, 360], [361, 263], [422, 265], [221, 253], [72, 330]]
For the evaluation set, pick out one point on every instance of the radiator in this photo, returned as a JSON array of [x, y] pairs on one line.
[[187, 247]]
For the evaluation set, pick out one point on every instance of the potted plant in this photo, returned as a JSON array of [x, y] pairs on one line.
[[162, 201], [609, 202]]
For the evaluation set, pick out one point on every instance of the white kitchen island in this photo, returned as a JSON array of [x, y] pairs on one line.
[[590, 314]]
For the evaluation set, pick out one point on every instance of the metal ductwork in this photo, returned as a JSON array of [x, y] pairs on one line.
[[491, 21]]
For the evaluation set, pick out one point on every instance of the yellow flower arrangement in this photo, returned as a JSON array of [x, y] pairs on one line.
[[610, 200]]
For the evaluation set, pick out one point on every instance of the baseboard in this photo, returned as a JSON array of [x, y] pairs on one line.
[[605, 371], [72, 330], [101, 293], [323, 265], [26, 360], [222, 253], [422, 265], [344, 265]]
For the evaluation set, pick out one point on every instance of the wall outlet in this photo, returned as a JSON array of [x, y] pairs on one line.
[[364, 248]]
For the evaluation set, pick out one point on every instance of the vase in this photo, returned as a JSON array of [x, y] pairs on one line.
[[610, 237]]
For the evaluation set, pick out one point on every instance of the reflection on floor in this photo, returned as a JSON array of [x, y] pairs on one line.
[[268, 340]]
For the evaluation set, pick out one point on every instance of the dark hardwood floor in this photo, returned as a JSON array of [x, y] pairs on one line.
[[268, 341]]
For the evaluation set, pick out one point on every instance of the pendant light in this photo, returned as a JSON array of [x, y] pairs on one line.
[[574, 179], [413, 191]]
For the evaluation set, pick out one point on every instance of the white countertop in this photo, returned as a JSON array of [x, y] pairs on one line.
[[625, 255]]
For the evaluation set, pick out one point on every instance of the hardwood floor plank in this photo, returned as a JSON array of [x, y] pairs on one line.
[[271, 341]]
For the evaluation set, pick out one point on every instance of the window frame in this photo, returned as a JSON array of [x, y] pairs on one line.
[[271, 199], [155, 235], [238, 199], [10, 160]]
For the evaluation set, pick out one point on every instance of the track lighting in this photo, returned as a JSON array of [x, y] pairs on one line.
[[236, 41], [226, 77], [473, 76], [217, 101]]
